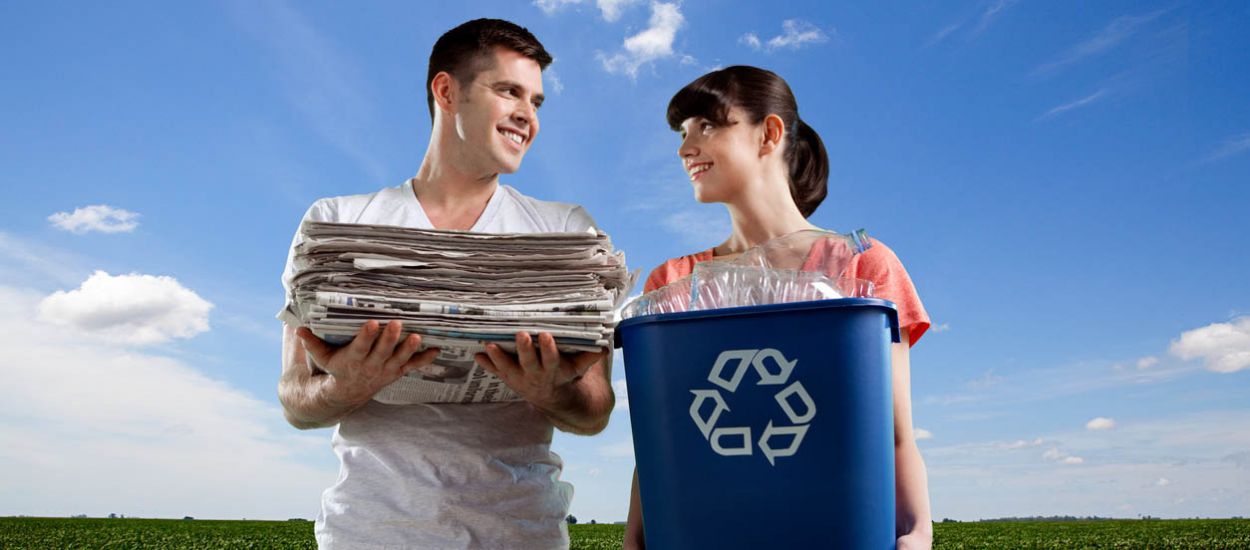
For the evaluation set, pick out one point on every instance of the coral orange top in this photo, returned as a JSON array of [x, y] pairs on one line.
[[878, 264]]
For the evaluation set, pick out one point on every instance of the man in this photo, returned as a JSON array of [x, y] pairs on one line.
[[451, 475]]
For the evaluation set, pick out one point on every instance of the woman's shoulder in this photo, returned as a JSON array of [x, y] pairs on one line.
[[674, 268]]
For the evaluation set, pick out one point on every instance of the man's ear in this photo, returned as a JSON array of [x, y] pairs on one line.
[[774, 133], [446, 91]]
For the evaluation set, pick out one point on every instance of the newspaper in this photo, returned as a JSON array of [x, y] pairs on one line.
[[460, 291]]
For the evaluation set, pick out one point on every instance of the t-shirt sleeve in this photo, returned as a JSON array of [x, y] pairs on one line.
[[318, 212], [578, 221], [656, 279], [880, 265]]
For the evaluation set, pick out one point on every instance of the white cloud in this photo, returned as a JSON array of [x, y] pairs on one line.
[[752, 40], [1223, 347], [1163, 482], [594, 472], [82, 418], [795, 34], [1232, 146], [653, 43], [1147, 362], [1120, 29], [941, 327], [553, 80], [97, 217], [549, 7], [611, 9], [132, 309], [1076, 104], [1021, 444], [1100, 423], [923, 434], [1056, 455]]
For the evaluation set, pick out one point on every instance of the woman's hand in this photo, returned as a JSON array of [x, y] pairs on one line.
[[915, 541]]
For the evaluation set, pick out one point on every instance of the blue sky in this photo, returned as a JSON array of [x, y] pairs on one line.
[[1066, 183]]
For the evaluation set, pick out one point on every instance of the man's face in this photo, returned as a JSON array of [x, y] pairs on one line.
[[498, 117]]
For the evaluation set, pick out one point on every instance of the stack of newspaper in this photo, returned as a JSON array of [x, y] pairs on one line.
[[460, 291]]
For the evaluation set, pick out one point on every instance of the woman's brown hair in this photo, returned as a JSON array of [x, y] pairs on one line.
[[760, 93]]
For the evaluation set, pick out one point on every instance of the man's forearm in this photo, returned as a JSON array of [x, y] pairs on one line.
[[584, 405], [302, 389]]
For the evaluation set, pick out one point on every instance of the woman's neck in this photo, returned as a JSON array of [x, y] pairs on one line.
[[760, 217]]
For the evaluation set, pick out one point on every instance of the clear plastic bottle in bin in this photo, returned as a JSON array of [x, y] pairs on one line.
[[800, 266]]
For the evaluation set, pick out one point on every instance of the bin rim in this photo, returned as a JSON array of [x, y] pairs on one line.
[[891, 313]]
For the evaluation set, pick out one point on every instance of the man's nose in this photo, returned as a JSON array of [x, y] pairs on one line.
[[524, 114]]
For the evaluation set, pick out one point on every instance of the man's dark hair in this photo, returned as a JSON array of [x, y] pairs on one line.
[[469, 49]]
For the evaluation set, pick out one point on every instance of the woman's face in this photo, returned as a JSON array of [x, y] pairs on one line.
[[720, 159]]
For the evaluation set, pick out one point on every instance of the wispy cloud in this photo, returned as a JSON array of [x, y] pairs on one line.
[[795, 34], [553, 80], [923, 434], [942, 34], [322, 82], [101, 218], [1077, 104], [984, 19], [992, 13], [550, 7], [27, 262], [1116, 32], [1201, 455], [1055, 455], [651, 44], [610, 10], [1231, 147]]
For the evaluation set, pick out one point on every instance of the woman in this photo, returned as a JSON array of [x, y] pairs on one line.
[[744, 145]]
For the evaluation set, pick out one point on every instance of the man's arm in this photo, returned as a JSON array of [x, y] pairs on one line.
[[573, 391], [337, 381], [913, 522]]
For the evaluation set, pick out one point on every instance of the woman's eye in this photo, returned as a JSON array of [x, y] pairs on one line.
[[706, 127]]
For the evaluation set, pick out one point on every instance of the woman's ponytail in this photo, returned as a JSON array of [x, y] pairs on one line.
[[759, 93], [809, 167]]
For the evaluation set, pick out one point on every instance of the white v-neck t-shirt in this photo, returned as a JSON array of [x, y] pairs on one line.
[[444, 475]]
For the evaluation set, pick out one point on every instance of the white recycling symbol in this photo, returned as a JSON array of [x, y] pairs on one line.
[[727, 373]]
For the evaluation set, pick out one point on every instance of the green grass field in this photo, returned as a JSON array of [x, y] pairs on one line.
[[64, 533]]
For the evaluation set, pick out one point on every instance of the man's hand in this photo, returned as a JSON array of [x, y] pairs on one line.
[[573, 390], [353, 374]]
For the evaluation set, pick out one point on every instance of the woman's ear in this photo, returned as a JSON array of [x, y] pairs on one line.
[[444, 88], [774, 133]]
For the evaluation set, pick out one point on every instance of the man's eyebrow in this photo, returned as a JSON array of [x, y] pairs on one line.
[[538, 98]]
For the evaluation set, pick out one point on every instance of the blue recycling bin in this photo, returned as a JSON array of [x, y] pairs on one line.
[[764, 426]]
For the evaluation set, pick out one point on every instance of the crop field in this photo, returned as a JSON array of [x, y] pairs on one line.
[[66, 533]]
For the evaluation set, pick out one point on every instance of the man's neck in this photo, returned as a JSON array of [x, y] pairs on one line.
[[452, 198]]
